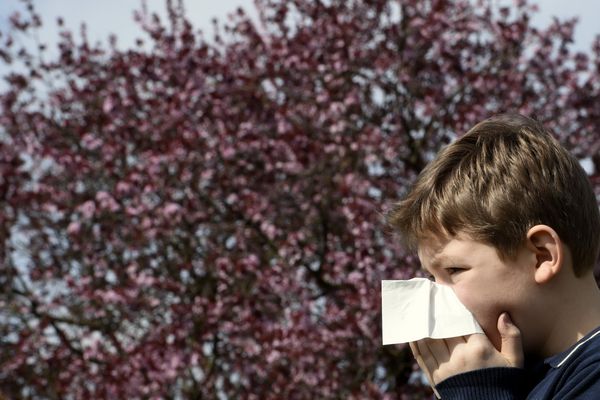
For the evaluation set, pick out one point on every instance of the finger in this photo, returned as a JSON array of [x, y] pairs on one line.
[[417, 354], [457, 339], [477, 337], [414, 346], [452, 343], [427, 356], [511, 346], [439, 350], [414, 349]]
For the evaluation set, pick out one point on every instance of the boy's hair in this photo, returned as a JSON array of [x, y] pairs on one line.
[[502, 177]]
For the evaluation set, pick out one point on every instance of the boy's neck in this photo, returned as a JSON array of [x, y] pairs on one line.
[[576, 314]]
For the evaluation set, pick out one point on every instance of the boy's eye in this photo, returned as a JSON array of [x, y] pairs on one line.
[[454, 270]]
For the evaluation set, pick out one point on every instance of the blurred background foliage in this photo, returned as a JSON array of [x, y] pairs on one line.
[[203, 217]]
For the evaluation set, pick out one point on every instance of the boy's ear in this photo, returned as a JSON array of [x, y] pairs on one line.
[[549, 252]]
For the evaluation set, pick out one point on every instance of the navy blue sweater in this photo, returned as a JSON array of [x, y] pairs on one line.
[[572, 374]]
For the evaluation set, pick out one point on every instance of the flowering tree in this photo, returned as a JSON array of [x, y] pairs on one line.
[[195, 218]]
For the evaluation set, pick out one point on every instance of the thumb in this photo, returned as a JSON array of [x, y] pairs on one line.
[[512, 346]]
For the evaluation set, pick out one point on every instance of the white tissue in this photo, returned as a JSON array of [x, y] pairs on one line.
[[420, 308]]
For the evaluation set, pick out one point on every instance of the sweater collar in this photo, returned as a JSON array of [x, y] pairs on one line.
[[557, 360]]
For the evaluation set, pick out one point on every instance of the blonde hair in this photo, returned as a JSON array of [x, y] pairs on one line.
[[502, 177]]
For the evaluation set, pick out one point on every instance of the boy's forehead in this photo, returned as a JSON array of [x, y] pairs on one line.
[[431, 250], [431, 245], [435, 249]]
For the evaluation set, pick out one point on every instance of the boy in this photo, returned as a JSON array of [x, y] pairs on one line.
[[508, 219]]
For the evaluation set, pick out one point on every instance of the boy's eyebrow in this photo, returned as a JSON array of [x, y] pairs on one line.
[[435, 263], [441, 259]]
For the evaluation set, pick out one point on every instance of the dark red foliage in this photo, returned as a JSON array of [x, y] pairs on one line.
[[202, 218]]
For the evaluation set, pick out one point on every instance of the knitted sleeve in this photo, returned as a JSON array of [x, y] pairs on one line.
[[487, 383]]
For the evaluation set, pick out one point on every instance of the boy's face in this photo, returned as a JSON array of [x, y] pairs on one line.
[[483, 282]]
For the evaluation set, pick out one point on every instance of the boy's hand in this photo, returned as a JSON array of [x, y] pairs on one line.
[[442, 358]]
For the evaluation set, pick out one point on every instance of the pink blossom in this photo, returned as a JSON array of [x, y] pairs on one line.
[[123, 187], [74, 228], [170, 209], [228, 152], [110, 296], [106, 201], [91, 142], [87, 209], [107, 105]]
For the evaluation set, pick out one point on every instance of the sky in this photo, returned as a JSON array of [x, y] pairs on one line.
[[115, 16]]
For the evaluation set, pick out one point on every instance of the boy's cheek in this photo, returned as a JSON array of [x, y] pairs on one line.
[[470, 300], [486, 312]]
